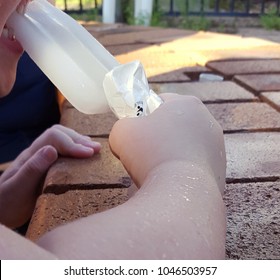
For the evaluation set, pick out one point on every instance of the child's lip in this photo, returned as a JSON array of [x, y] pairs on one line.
[[8, 39], [8, 33]]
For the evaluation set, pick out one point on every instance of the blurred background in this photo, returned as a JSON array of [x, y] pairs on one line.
[[217, 15]]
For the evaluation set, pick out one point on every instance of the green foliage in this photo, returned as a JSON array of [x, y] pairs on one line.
[[182, 6], [157, 18], [128, 11], [271, 20], [224, 4], [195, 23], [89, 15]]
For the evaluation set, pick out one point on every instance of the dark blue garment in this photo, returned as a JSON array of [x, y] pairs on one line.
[[27, 111]]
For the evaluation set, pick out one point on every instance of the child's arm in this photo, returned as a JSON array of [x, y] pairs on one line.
[[176, 156]]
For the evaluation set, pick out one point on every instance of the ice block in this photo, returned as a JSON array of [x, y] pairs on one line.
[[74, 60]]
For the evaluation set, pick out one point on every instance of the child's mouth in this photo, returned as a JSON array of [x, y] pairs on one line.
[[8, 39]]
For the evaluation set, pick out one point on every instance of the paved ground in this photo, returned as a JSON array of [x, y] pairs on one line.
[[246, 103]]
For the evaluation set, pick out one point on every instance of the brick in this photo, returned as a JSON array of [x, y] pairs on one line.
[[98, 125], [55, 210], [100, 30], [196, 48], [124, 49], [269, 35], [207, 46], [203, 41], [159, 59], [169, 62], [208, 91], [177, 75], [245, 52], [250, 116], [99, 27], [152, 35], [253, 156], [260, 83], [253, 222], [273, 98], [229, 68], [103, 170], [194, 71]]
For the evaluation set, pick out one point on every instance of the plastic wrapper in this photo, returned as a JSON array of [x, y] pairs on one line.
[[128, 93]]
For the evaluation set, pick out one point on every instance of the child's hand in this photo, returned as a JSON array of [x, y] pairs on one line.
[[20, 183], [181, 129]]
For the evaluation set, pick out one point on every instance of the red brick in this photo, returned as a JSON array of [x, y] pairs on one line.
[[124, 49], [253, 156], [272, 98], [208, 91], [193, 72], [103, 170], [251, 116], [253, 221], [259, 83], [98, 125], [230, 68], [152, 35], [55, 210], [171, 76]]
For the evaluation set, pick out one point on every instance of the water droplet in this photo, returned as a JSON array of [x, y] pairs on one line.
[[211, 124], [192, 178]]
